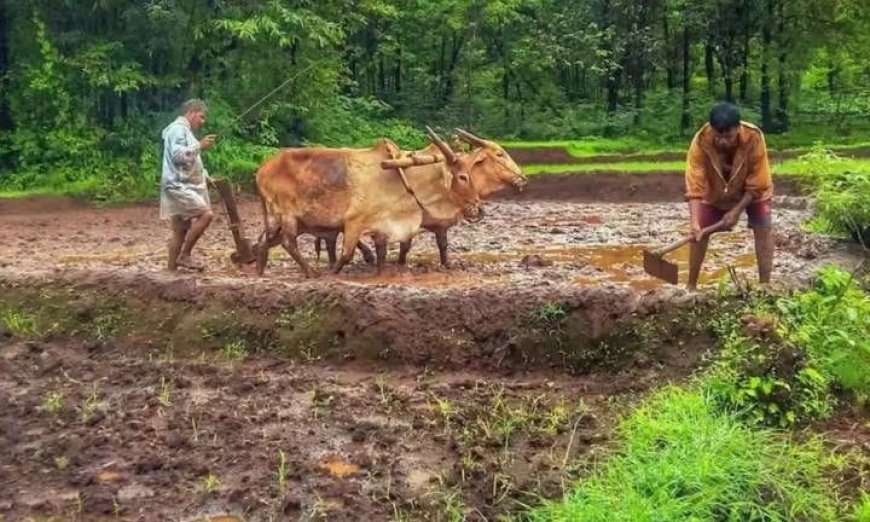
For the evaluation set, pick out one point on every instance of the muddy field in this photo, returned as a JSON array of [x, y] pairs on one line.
[[422, 394], [550, 235]]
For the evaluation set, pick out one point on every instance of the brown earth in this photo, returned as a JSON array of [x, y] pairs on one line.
[[622, 187], [98, 431], [415, 395], [554, 155]]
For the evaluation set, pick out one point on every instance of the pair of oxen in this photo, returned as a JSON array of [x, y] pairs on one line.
[[381, 192]]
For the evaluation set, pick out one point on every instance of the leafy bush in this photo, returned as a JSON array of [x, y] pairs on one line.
[[832, 322], [784, 357], [842, 196], [763, 378], [683, 460]]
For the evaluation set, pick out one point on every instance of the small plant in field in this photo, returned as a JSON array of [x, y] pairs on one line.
[[444, 408], [19, 323], [282, 471], [210, 483], [235, 350], [551, 316], [61, 462], [89, 406], [862, 510], [53, 402], [164, 393]]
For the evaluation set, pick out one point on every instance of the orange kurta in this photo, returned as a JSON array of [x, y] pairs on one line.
[[750, 171]]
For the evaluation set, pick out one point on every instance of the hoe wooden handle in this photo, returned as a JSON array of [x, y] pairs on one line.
[[716, 227]]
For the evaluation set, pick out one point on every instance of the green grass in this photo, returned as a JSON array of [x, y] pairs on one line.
[[591, 147], [684, 461], [784, 168]]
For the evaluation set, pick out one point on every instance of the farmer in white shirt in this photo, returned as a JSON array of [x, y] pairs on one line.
[[183, 186]]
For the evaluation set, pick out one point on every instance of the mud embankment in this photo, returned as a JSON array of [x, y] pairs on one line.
[[572, 329]]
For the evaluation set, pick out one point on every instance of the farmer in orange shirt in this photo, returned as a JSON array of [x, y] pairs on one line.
[[727, 172]]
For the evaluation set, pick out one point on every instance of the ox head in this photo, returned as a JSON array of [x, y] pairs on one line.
[[463, 192], [492, 167]]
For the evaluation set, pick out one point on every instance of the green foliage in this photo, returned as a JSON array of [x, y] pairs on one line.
[[862, 510], [18, 322], [782, 358], [764, 379], [842, 191], [682, 460], [832, 322], [88, 86]]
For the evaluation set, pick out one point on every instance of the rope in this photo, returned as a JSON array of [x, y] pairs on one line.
[[273, 91]]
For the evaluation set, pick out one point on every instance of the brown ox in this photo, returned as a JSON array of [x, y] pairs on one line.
[[492, 169], [322, 190]]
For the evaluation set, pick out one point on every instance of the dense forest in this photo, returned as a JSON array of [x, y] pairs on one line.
[[90, 83]]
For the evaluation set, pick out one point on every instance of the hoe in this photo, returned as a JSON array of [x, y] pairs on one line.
[[657, 266]]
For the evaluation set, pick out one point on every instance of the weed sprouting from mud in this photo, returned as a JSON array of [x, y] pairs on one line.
[[19, 323], [444, 408], [210, 483], [164, 393], [87, 408], [235, 350], [52, 402], [551, 317]]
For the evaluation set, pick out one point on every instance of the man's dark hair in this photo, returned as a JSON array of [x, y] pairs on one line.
[[724, 116]]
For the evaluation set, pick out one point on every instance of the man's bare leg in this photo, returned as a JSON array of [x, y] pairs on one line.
[[764, 247], [697, 251], [197, 227], [179, 230]]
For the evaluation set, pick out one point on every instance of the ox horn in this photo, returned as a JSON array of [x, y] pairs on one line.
[[471, 138], [449, 155]]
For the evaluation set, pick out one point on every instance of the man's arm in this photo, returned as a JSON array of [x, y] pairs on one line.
[[758, 180], [696, 185]]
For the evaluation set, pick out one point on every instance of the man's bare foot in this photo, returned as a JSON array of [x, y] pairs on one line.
[[189, 263]]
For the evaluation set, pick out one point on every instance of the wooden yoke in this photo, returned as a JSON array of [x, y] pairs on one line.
[[412, 160]]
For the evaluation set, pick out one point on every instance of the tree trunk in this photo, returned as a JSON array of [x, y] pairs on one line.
[[782, 106], [709, 66], [766, 116], [6, 123], [670, 67], [744, 72], [397, 77], [686, 118]]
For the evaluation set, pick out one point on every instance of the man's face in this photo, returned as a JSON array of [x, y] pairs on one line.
[[196, 118], [727, 139]]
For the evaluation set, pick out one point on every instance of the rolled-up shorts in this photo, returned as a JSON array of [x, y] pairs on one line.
[[184, 202], [759, 214]]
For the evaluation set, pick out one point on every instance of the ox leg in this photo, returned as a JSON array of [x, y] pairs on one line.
[[404, 247], [269, 238], [380, 252], [441, 240], [330, 248], [288, 241], [366, 253], [348, 246]]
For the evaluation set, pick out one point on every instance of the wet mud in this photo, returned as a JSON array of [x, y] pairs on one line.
[[418, 394]]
